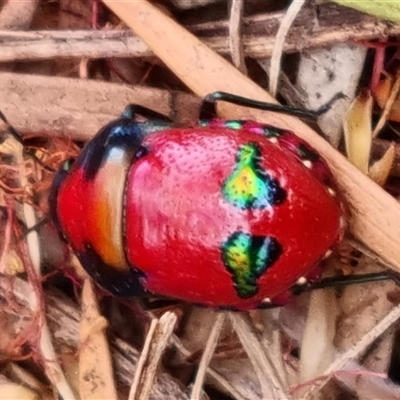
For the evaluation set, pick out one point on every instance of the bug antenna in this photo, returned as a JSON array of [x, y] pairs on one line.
[[10, 129], [17, 136], [38, 225]]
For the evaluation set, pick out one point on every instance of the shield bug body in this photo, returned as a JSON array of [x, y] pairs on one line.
[[227, 214]]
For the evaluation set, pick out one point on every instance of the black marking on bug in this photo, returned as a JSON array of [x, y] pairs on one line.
[[123, 133], [272, 131], [119, 283], [250, 186], [247, 257], [306, 153]]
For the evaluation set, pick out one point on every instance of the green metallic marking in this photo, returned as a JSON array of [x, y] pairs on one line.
[[249, 186], [234, 124], [248, 257], [66, 165]]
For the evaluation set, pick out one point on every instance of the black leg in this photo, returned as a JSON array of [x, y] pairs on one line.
[[13, 132], [44, 221], [133, 110], [346, 280], [208, 111], [10, 129]]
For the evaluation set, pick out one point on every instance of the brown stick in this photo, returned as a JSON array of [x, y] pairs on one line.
[[375, 215], [78, 108], [334, 24]]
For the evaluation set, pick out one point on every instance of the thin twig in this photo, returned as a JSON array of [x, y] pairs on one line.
[[258, 37], [338, 374], [235, 35], [277, 52], [64, 316], [49, 357], [143, 359], [7, 236], [269, 380], [359, 348], [207, 355], [378, 67], [213, 374], [94, 352], [154, 350], [388, 106]]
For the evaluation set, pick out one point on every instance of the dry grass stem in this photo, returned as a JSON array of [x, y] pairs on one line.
[[338, 25], [358, 349], [44, 45], [280, 41], [143, 359], [381, 169], [271, 385], [235, 35], [154, 348], [272, 340], [211, 373], [357, 129], [7, 239], [13, 391], [36, 302], [260, 354], [207, 355], [388, 106], [63, 318], [95, 363]]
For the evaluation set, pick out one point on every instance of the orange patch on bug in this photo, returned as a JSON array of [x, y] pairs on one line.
[[106, 217]]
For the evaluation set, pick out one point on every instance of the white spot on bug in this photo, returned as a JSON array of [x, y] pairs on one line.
[[328, 253], [308, 164], [266, 301], [273, 140], [302, 281], [331, 191]]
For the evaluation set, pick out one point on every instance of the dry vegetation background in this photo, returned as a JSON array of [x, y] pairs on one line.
[[67, 67]]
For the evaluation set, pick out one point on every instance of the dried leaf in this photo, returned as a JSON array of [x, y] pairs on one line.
[[95, 365], [17, 373], [358, 131], [10, 146], [12, 391], [355, 351], [389, 105], [14, 264], [317, 350], [382, 91], [380, 170], [368, 385], [384, 9]]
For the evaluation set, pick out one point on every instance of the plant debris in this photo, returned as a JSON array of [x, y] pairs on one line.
[[68, 68]]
